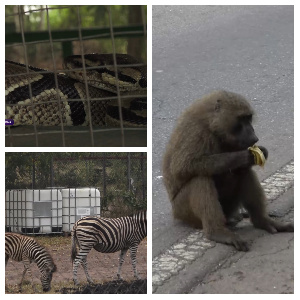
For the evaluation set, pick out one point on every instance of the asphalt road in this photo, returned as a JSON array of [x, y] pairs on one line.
[[197, 49]]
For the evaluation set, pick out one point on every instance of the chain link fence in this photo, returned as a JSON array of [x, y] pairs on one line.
[[118, 182]]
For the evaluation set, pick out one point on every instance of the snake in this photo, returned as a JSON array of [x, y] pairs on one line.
[[86, 93]]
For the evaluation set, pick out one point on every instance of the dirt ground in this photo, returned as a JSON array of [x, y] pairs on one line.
[[102, 267]]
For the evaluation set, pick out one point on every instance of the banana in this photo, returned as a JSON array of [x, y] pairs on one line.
[[259, 157]]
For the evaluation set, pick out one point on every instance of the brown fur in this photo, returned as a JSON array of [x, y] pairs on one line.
[[207, 168]]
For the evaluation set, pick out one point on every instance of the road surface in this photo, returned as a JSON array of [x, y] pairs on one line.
[[244, 49]]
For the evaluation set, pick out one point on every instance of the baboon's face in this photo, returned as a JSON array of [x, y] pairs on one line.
[[230, 121], [241, 134]]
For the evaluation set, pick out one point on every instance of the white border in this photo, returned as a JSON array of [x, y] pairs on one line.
[[149, 130]]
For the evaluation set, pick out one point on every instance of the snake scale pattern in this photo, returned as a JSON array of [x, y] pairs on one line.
[[64, 97]]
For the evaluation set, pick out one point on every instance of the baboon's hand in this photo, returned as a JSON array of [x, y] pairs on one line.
[[265, 225], [288, 227], [280, 226], [272, 225]]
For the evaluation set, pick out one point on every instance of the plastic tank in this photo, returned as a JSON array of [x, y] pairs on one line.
[[78, 203], [33, 211]]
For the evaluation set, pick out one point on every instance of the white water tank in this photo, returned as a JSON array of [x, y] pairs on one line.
[[33, 211], [78, 203]]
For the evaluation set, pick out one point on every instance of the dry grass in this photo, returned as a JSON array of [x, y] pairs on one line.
[[54, 241], [27, 288]]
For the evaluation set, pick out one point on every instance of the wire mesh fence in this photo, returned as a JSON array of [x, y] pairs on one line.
[[45, 94], [117, 187], [121, 178]]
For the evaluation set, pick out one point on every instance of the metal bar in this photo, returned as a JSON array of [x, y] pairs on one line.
[[73, 35]]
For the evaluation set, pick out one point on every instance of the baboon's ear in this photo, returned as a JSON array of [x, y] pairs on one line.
[[218, 105]]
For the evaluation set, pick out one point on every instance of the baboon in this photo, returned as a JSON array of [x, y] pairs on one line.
[[207, 168]]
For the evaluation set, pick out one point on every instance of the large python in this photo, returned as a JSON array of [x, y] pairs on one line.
[[63, 97]]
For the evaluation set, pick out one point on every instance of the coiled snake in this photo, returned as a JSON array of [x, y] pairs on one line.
[[64, 98]]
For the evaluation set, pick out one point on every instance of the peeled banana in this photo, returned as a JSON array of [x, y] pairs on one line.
[[259, 158]]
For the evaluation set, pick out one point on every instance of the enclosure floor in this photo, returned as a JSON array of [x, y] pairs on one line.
[[102, 267], [132, 137]]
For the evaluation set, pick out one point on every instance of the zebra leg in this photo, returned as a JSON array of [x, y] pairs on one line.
[[121, 260], [133, 250], [75, 267], [26, 262], [6, 260], [81, 259], [84, 265]]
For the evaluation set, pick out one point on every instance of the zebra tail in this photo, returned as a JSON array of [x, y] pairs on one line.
[[73, 245]]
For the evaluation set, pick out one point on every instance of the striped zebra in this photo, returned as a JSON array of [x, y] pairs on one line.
[[107, 235], [23, 248]]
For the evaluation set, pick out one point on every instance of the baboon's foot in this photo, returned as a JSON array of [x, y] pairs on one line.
[[229, 238]]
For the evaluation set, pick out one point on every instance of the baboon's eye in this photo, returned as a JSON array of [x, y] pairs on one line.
[[245, 118]]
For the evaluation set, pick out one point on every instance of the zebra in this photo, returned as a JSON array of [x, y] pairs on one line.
[[23, 248], [107, 235]]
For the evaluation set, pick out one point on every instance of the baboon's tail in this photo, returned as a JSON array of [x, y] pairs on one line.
[[73, 244]]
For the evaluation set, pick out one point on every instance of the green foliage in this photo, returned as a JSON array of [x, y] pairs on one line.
[[64, 19], [66, 16], [121, 177], [19, 169], [132, 201]]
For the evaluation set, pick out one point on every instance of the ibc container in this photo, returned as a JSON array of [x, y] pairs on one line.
[[78, 203], [33, 211]]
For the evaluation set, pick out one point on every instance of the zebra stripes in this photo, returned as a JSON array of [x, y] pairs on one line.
[[22, 248], [107, 235]]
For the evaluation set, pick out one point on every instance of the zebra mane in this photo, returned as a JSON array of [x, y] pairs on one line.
[[50, 263], [140, 212]]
